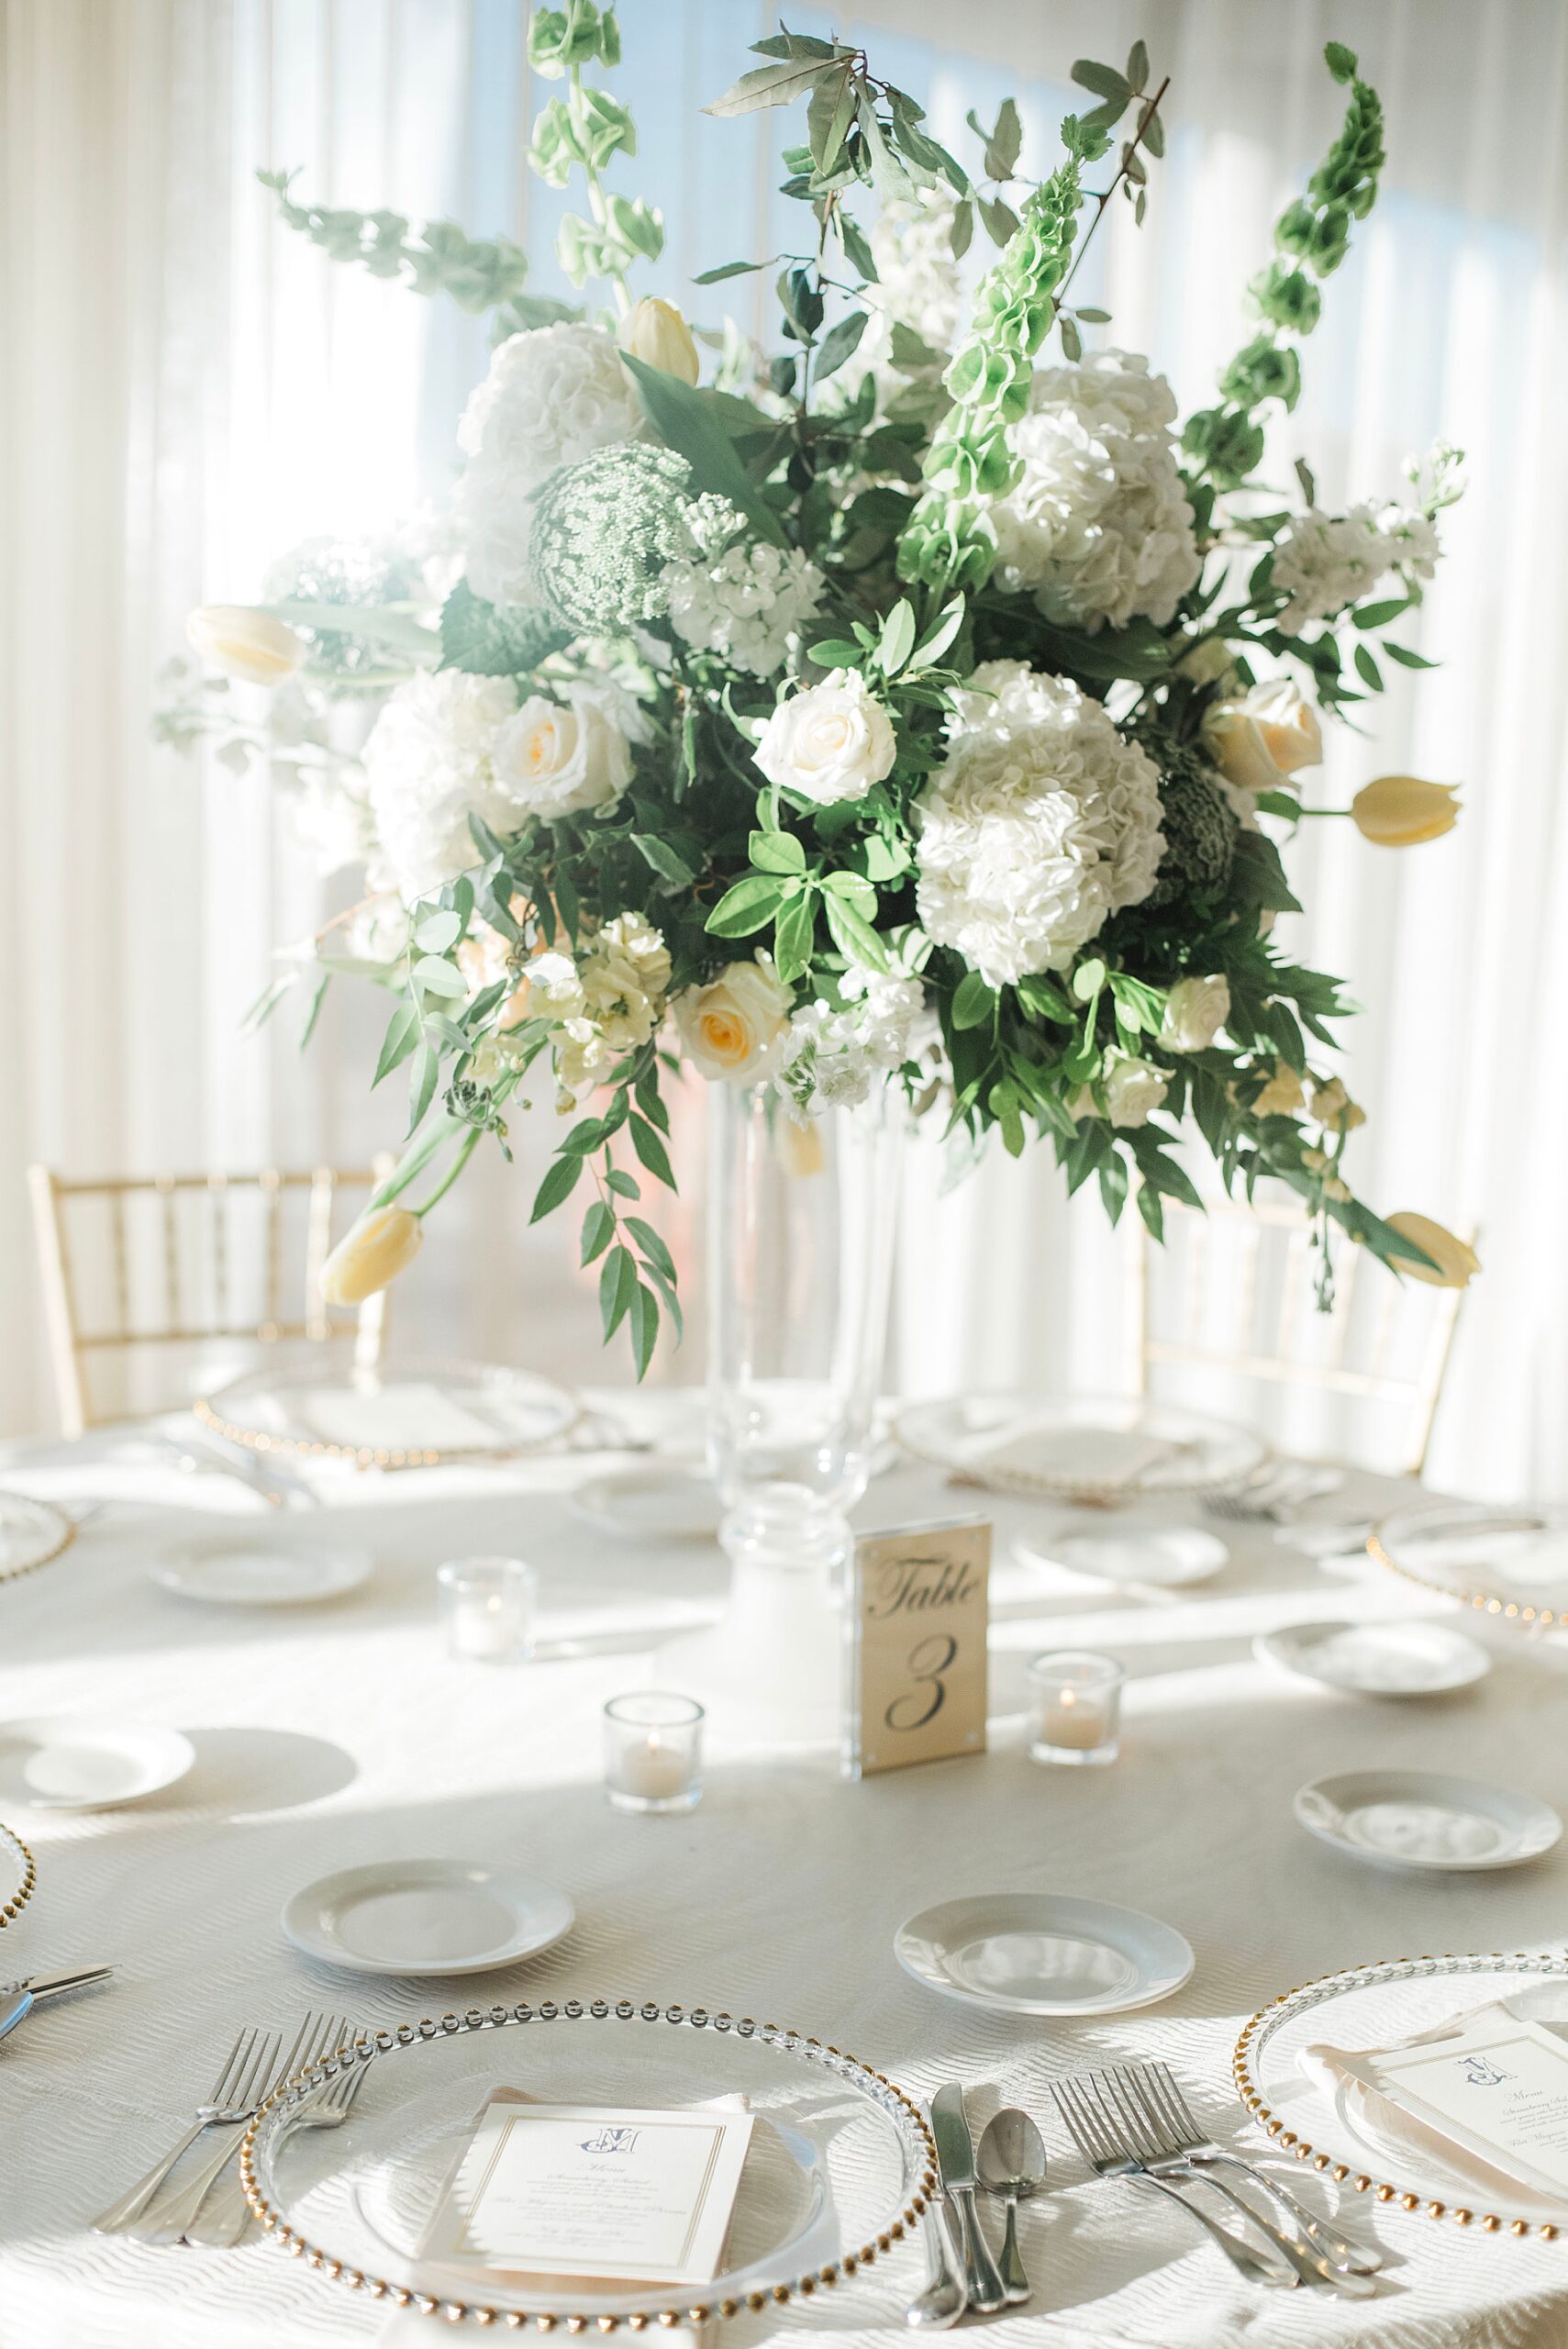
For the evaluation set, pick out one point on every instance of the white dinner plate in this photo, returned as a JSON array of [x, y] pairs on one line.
[[426, 1917], [1165, 1556], [82, 1762], [1103, 1447], [1044, 1954], [660, 1502], [1418, 1819], [233, 1572], [1376, 1659]]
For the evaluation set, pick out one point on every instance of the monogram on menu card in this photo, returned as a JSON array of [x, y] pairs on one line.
[[917, 1678]]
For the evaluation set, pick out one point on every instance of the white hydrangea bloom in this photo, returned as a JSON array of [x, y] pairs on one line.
[[833, 1059], [429, 760], [920, 284], [552, 395], [738, 598], [1325, 562], [1041, 823], [1098, 528]]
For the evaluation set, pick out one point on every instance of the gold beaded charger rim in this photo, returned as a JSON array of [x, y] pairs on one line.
[[56, 1531], [907, 2119], [1048, 1485], [1261, 2027], [1498, 1603], [369, 1455], [13, 1900]]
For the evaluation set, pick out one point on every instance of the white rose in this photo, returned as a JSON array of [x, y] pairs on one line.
[[1258, 742], [830, 743], [735, 1029], [1195, 1011], [552, 762], [1133, 1090]]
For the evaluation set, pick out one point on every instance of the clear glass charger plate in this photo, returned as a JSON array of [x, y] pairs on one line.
[[18, 1875], [31, 1534], [412, 1411], [841, 2167], [1373, 2006], [1096, 1447], [1511, 1563]]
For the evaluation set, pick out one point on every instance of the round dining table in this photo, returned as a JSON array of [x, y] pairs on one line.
[[336, 1735]]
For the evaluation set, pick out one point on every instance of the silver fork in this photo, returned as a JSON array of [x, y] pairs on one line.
[[173, 2219], [1144, 2140], [1272, 1491], [225, 2215], [1158, 2088], [1108, 2156], [248, 2065]]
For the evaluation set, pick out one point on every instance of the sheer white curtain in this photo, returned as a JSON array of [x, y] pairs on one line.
[[188, 390]]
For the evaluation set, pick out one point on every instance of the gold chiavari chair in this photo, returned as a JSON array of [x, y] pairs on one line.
[[1226, 1310], [140, 1267]]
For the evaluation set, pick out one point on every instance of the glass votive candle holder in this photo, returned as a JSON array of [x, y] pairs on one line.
[[487, 1606], [653, 1751], [1075, 1707]]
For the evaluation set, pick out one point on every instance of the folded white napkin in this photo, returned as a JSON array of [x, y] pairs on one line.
[[1354, 2081], [413, 1417]]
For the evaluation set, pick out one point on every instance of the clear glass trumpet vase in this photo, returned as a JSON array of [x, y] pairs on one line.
[[802, 1223]]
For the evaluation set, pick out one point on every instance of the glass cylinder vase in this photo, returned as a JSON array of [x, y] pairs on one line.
[[802, 1224]]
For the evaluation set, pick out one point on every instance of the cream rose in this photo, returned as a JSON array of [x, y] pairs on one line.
[[1132, 1090], [830, 743], [734, 1028], [1195, 1011], [1258, 742], [551, 761]]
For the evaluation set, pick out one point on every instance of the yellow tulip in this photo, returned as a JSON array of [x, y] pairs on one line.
[[658, 335], [1454, 1262], [1400, 810], [245, 643], [382, 1244]]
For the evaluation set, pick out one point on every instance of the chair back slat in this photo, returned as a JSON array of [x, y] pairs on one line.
[[148, 1264]]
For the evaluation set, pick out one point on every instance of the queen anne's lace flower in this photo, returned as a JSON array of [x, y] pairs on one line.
[[1098, 526], [739, 598], [552, 395], [605, 532], [1325, 562], [429, 760], [1041, 823]]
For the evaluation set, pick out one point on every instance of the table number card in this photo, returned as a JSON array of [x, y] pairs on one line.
[[916, 1674]]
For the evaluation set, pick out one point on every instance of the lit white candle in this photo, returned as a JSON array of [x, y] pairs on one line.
[[1076, 1717], [652, 1769]]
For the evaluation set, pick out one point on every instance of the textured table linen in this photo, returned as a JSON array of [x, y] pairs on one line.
[[338, 1734]]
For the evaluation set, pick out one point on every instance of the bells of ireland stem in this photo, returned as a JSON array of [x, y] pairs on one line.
[[382, 1244], [1454, 1263], [1401, 811], [254, 646], [658, 335]]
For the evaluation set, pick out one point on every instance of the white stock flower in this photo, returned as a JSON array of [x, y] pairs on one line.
[[734, 1028], [551, 761], [829, 743], [604, 1005], [1041, 823], [1097, 528], [745, 600], [833, 1059], [429, 760], [1325, 562], [1195, 1011], [552, 395]]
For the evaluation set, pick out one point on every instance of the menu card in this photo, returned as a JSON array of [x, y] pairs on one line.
[[1498, 2088], [576, 2190]]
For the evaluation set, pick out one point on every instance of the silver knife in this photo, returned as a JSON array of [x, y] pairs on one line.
[[17, 1999], [955, 2160]]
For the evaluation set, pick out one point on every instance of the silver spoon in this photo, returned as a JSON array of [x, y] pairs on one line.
[[1012, 2166], [944, 2298]]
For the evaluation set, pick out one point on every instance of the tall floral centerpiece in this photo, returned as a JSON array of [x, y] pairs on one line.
[[917, 709]]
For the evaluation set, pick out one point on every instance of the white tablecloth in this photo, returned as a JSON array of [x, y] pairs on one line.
[[335, 1735]]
